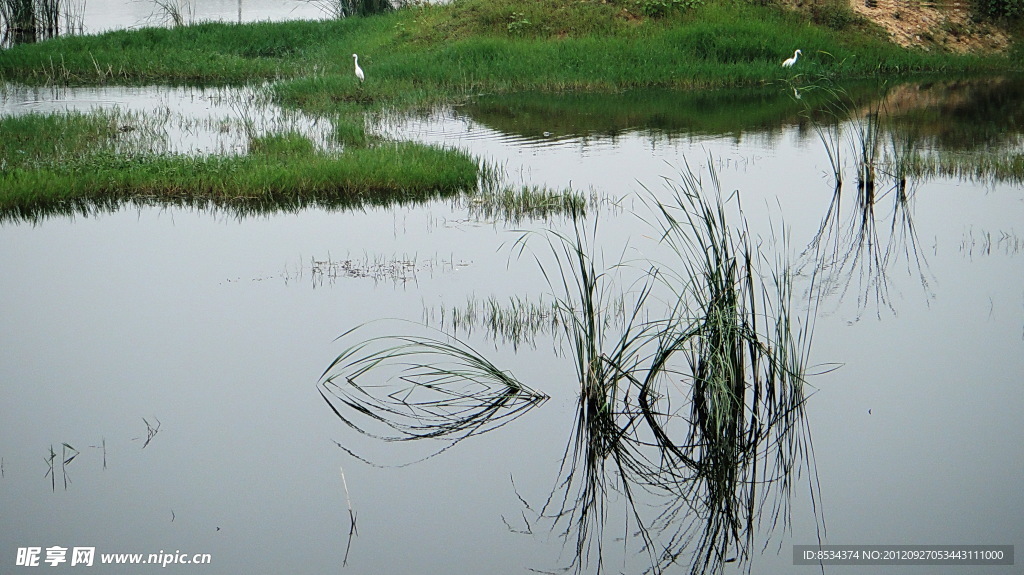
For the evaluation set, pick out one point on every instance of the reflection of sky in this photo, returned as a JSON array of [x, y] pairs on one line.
[[104, 15], [177, 120], [202, 321]]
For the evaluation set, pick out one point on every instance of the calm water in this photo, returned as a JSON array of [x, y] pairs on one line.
[[103, 15], [174, 353]]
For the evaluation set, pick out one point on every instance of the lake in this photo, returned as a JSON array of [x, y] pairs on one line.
[[161, 364]]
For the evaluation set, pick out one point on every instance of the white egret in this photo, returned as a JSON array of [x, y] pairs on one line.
[[359, 71], [790, 61]]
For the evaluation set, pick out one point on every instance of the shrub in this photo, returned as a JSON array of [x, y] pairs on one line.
[[1010, 9]]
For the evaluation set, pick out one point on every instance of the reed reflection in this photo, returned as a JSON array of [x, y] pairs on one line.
[[693, 418], [690, 427], [853, 252]]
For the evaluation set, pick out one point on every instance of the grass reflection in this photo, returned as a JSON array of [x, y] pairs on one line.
[[693, 410], [402, 388], [855, 252], [84, 162], [690, 425], [918, 130]]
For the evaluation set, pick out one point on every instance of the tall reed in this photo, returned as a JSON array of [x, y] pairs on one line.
[[29, 21], [174, 12], [691, 372], [20, 25], [349, 8]]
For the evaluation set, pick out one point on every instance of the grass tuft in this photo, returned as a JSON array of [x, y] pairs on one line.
[[95, 161], [402, 388], [691, 376]]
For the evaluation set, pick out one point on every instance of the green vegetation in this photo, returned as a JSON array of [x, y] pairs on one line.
[[1011, 9], [949, 128], [34, 20], [52, 163], [724, 111], [983, 167], [512, 205], [691, 376], [439, 388], [429, 52], [418, 56], [68, 454]]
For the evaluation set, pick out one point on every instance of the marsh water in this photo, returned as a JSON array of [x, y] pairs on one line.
[[160, 364]]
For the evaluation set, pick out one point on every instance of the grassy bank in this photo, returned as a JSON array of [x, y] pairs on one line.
[[417, 56], [57, 162], [420, 54]]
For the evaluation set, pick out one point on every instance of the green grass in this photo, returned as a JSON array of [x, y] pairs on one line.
[[414, 387], [416, 57], [987, 167], [515, 322], [690, 373], [49, 163], [513, 205], [423, 54], [714, 46], [724, 344]]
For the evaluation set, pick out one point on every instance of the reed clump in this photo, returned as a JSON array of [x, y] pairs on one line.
[[29, 21], [691, 371], [517, 321], [513, 205], [696, 399]]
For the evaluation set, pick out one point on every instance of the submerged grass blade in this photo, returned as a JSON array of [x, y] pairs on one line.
[[401, 388], [691, 374]]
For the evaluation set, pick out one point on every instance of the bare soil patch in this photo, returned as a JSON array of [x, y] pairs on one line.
[[948, 28]]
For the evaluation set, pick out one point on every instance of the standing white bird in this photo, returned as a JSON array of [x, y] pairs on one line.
[[359, 71], [790, 61]]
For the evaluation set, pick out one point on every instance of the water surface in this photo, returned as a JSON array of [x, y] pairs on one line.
[[216, 328]]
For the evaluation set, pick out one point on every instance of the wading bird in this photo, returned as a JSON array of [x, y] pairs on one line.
[[359, 71], [789, 61]]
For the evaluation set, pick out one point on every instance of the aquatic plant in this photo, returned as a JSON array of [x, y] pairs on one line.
[[349, 8], [102, 160], [986, 243], [174, 12], [68, 454], [703, 330], [513, 205], [406, 387], [692, 387], [151, 431], [854, 253], [984, 166], [516, 321], [352, 530], [827, 115], [27, 21]]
